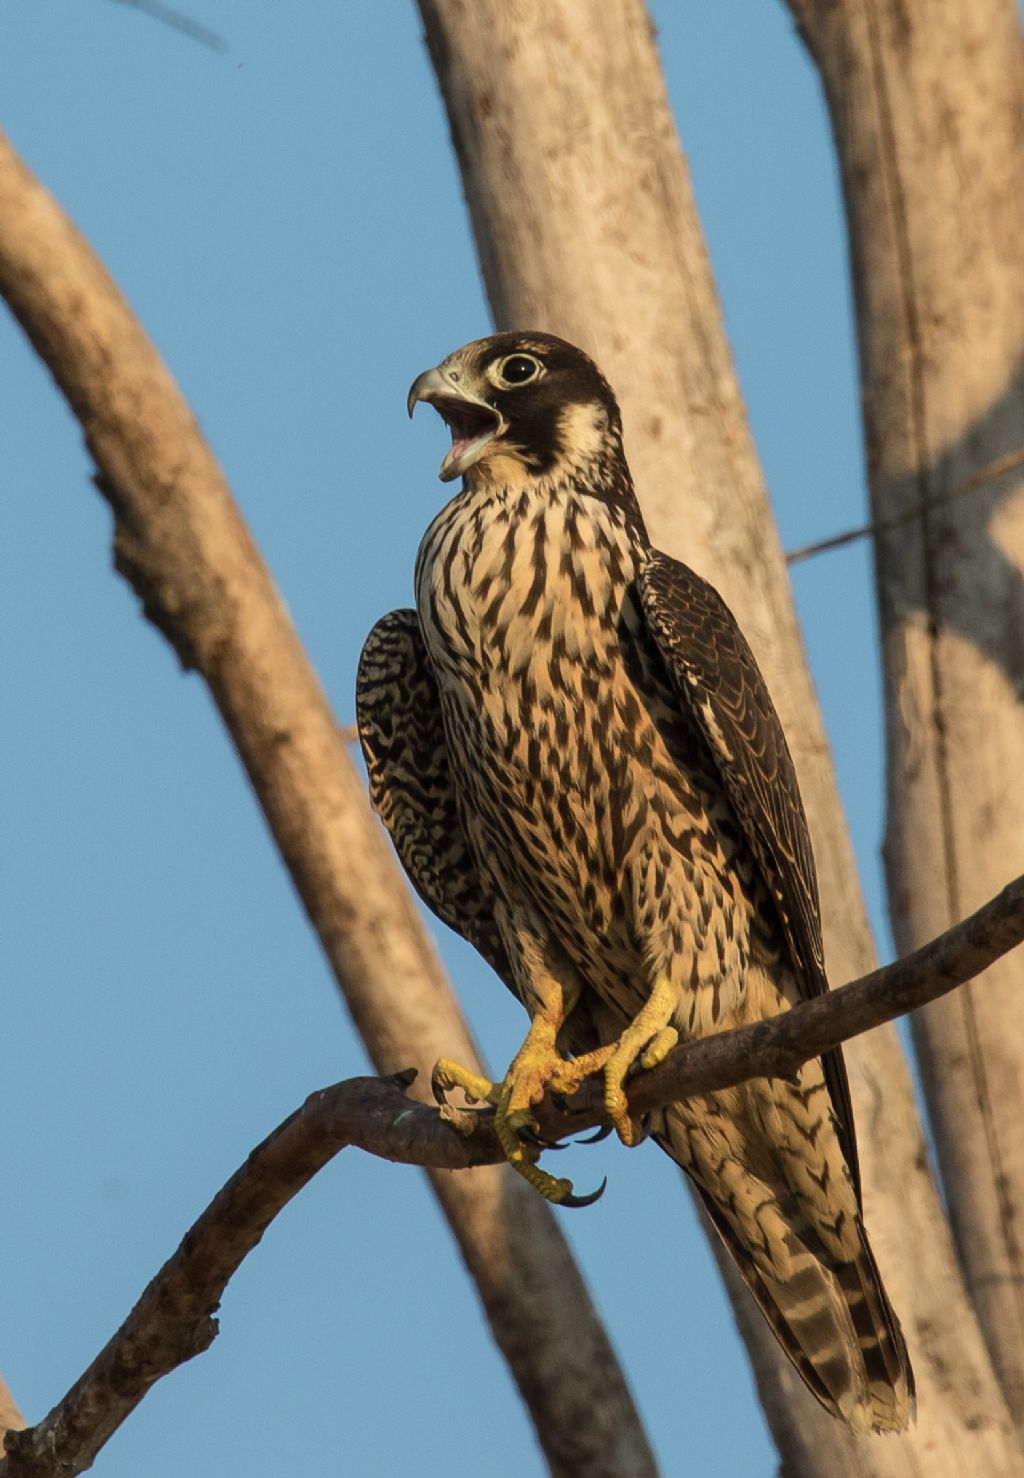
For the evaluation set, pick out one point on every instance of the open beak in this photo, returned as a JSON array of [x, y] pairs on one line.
[[472, 422]]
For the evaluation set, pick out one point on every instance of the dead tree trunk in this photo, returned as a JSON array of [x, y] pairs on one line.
[[585, 225], [927, 103], [193, 563]]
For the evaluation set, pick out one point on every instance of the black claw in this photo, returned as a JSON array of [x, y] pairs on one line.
[[440, 1096], [532, 1137], [645, 1129], [597, 1135], [573, 1200]]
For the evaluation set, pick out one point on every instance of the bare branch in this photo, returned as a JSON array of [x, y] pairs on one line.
[[181, 542], [174, 1318], [779, 1045], [925, 103]]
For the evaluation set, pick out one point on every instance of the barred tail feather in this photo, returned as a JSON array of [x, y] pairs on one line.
[[831, 1317]]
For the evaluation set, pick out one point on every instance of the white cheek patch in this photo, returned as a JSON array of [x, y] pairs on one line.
[[583, 432]]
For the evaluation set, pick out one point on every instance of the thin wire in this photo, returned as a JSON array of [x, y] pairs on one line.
[[179, 22], [988, 474]]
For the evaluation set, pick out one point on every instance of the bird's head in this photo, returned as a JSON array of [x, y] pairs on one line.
[[522, 406]]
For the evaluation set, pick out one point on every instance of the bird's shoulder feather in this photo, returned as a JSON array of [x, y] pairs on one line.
[[716, 675]]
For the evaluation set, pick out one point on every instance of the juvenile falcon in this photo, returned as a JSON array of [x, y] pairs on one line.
[[580, 766]]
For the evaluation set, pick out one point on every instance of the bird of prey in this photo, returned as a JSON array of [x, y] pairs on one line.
[[578, 761]]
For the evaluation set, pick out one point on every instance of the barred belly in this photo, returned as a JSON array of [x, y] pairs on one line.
[[589, 799]]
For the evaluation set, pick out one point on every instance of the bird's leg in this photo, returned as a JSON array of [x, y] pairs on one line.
[[535, 1060], [647, 1040], [525, 1082], [536, 1066]]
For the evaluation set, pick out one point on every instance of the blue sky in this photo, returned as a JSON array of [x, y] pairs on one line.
[[287, 220]]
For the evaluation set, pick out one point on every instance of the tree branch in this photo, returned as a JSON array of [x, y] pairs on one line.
[[779, 1045], [174, 1318], [925, 103], [991, 472], [180, 540]]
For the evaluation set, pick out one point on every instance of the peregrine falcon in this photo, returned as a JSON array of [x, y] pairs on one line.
[[581, 769]]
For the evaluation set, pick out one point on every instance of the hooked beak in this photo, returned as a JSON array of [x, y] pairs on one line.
[[472, 422]]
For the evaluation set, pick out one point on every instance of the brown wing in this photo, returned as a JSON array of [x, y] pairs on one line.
[[717, 676], [398, 712]]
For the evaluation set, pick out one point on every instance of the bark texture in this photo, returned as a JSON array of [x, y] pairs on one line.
[[11, 1418], [180, 539], [585, 225], [927, 106]]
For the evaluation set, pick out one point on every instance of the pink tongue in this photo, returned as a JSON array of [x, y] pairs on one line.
[[456, 450]]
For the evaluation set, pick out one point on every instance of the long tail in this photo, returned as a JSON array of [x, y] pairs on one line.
[[826, 1305]]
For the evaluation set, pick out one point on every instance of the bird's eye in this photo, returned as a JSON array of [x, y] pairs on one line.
[[518, 369]]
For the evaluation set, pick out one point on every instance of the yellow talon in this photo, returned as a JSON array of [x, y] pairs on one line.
[[648, 1039], [658, 1049], [536, 1066], [507, 1124], [569, 1077]]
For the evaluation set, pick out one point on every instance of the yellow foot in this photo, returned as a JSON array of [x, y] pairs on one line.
[[647, 1041], [535, 1067], [448, 1075], [658, 1049]]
